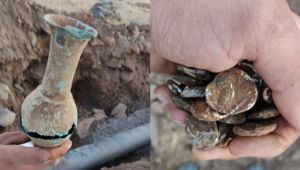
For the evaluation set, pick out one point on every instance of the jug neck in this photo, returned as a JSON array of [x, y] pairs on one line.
[[64, 55], [69, 37]]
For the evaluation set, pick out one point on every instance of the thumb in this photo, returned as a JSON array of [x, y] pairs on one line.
[[36, 155], [296, 19], [161, 65], [278, 61], [12, 138]]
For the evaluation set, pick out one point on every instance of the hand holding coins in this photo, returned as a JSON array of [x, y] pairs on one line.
[[235, 102]]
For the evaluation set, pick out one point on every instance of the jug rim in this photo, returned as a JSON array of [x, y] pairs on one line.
[[72, 26]]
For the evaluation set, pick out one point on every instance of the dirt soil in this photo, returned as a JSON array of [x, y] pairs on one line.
[[137, 165], [114, 67], [67, 5]]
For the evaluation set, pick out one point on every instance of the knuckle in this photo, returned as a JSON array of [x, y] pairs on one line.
[[44, 156], [61, 154]]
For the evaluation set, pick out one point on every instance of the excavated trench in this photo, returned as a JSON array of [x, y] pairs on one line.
[[113, 69]]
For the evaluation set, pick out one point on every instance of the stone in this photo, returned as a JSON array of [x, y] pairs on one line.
[[96, 42], [7, 117], [114, 63], [134, 29], [99, 114], [84, 127], [4, 92], [110, 41], [32, 38], [126, 76], [19, 87], [128, 64], [119, 110], [86, 124], [135, 49]]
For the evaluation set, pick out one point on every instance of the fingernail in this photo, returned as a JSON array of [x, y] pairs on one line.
[[48, 162], [56, 162], [69, 145]]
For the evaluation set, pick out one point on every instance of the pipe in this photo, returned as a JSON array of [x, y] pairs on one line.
[[98, 153]]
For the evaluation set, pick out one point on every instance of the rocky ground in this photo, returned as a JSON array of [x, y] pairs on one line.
[[112, 73], [67, 5], [172, 150]]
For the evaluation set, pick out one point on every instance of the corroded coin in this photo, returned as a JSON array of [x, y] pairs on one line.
[[204, 135], [248, 68], [232, 91], [198, 108], [185, 80], [226, 134], [193, 92], [182, 103], [255, 128], [174, 87], [224, 105], [267, 94], [234, 119], [202, 111], [265, 113], [199, 74]]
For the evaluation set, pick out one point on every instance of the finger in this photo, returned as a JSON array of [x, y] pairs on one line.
[[43, 166], [278, 63], [12, 138], [177, 115], [161, 65], [60, 151], [37, 166], [36, 155], [56, 162], [164, 95], [215, 153], [265, 146], [296, 19]]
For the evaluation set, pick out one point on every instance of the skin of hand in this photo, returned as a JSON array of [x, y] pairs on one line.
[[16, 157], [215, 35]]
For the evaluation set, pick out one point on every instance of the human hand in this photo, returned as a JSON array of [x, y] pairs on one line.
[[16, 157], [216, 36]]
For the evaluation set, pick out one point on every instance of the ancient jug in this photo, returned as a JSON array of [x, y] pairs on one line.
[[49, 113]]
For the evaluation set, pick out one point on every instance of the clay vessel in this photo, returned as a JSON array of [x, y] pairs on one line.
[[49, 113]]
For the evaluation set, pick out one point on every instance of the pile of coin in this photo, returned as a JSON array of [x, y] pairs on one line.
[[235, 102]]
